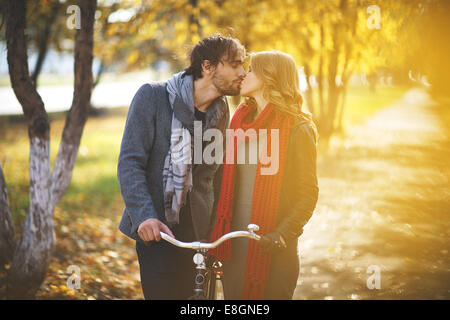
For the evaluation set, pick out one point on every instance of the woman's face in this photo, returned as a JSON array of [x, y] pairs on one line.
[[251, 85]]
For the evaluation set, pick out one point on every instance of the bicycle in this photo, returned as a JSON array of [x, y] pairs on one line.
[[210, 274]]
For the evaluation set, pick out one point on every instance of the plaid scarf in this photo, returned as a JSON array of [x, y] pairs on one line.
[[178, 167], [177, 172]]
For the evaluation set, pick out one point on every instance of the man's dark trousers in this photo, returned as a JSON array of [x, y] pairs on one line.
[[167, 272]]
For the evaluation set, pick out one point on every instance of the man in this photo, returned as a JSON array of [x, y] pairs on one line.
[[162, 193]]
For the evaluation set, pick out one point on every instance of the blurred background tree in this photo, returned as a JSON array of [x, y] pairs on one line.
[[338, 44], [331, 40]]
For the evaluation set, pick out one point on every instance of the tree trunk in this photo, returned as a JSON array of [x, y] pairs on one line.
[[43, 41], [320, 77], [32, 256], [309, 91], [78, 113], [351, 19], [193, 18], [333, 94], [340, 125], [333, 90], [7, 241], [100, 70]]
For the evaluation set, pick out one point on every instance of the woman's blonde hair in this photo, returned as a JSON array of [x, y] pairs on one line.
[[279, 74]]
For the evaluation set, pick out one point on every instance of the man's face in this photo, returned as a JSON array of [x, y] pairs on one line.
[[228, 76]]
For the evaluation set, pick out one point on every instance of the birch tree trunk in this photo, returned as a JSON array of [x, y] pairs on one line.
[[32, 254], [7, 241]]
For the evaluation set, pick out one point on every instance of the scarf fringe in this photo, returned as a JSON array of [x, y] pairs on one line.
[[253, 289]]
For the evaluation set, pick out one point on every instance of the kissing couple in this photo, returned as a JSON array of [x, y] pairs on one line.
[[202, 200]]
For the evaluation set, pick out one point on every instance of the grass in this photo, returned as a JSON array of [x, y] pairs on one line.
[[87, 217], [362, 103]]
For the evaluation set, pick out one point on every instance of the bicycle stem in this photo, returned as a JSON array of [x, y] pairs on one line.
[[200, 255]]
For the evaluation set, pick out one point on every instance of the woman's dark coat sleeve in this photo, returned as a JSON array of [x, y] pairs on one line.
[[303, 187]]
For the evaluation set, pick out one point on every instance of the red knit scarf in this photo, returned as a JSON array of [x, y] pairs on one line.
[[266, 195]]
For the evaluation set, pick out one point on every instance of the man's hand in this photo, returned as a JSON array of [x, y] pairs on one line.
[[150, 229]]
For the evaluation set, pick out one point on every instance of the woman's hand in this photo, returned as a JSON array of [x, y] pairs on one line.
[[272, 242]]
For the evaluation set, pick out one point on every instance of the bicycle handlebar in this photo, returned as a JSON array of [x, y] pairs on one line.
[[197, 245]]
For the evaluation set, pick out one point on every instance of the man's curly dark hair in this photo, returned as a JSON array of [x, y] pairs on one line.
[[213, 48]]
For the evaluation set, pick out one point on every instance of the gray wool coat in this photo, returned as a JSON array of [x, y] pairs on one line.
[[144, 147]]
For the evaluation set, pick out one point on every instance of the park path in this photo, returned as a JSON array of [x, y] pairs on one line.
[[383, 209]]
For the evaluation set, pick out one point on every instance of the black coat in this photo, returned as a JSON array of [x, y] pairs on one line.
[[298, 198]]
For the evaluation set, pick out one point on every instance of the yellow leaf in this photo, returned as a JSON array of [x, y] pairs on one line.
[[133, 57]]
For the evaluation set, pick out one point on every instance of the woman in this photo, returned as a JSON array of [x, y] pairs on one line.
[[282, 202]]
